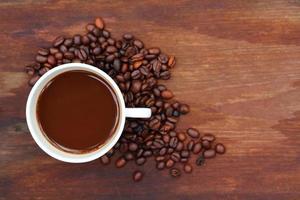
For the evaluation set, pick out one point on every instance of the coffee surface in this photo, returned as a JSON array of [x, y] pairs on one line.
[[77, 111]]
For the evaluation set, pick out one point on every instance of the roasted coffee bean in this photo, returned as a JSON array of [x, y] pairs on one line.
[[179, 146], [188, 168], [53, 50], [58, 56], [110, 58], [181, 136], [197, 148], [129, 156], [136, 74], [170, 150], [77, 39], [160, 165], [193, 133], [138, 43], [184, 160], [154, 124], [220, 148], [69, 55], [206, 144], [171, 62], [158, 144], [51, 60], [163, 58], [111, 49], [132, 146], [209, 153], [173, 142], [63, 48], [167, 94], [154, 51], [106, 34], [136, 86], [90, 27], [33, 80], [128, 36], [163, 151], [166, 138], [170, 163], [124, 148], [173, 134], [58, 41], [185, 154], [137, 176], [140, 161], [41, 59], [43, 71], [82, 55], [105, 160], [97, 51], [160, 158], [68, 42], [85, 40], [208, 137], [99, 23], [174, 172], [43, 52], [121, 162], [139, 153], [147, 153], [190, 145], [184, 109], [29, 70], [175, 157]]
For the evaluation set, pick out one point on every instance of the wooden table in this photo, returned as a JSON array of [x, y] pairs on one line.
[[238, 66]]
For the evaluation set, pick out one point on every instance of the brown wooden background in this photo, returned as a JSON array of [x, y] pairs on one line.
[[238, 66]]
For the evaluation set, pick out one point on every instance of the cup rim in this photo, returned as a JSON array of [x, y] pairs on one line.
[[37, 133]]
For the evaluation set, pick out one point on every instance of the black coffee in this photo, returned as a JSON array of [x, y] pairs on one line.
[[77, 111]]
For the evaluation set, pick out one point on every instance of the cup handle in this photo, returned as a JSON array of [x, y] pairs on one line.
[[138, 112]]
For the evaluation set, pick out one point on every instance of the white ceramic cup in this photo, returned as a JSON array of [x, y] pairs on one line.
[[47, 146]]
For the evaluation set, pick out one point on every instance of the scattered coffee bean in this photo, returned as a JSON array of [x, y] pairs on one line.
[[181, 136], [99, 23], [137, 176], [58, 41], [208, 137], [160, 165], [174, 172], [197, 148], [121, 162], [188, 168], [141, 161], [133, 146], [209, 153], [193, 133], [105, 160], [184, 109], [33, 80], [206, 144], [167, 94], [220, 148]]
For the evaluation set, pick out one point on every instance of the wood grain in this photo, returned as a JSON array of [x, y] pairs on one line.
[[238, 66]]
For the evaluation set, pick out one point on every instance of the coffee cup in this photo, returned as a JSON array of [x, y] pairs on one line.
[[53, 150]]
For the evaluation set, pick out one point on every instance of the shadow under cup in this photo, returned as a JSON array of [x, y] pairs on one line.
[[78, 111]]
